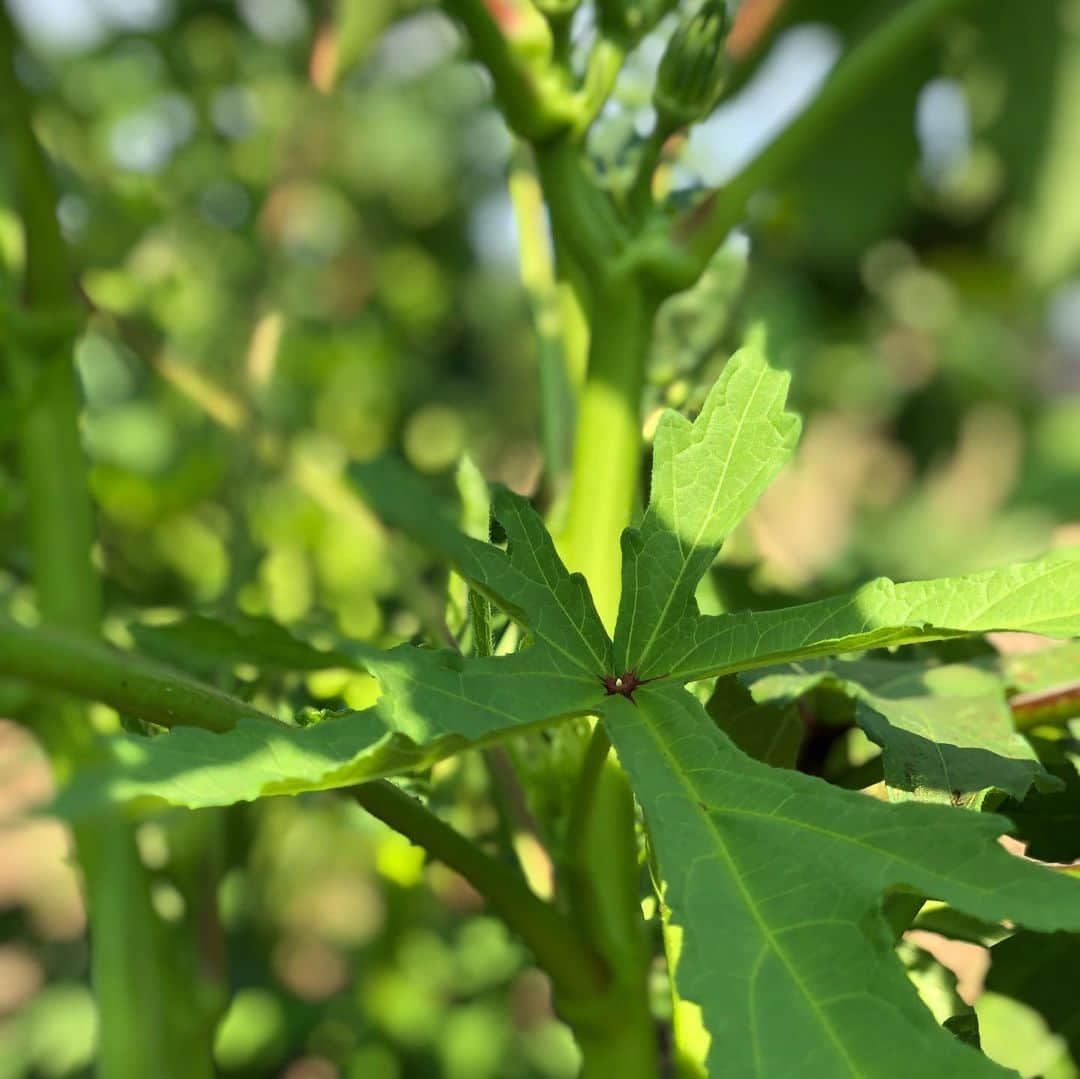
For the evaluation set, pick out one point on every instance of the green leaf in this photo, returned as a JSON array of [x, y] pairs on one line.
[[433, 704], [1049, 823], [528, 581], [803, 979], [1044, 668], [204, 645], [706, 476], [1048, 685], [1040, 971], [475, 521], [1036, 597], [768, 732], [946, 732]]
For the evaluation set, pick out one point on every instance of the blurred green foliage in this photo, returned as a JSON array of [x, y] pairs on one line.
[[291, 224]]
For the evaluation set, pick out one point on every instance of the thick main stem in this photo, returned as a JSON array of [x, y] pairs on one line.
[[607, 446], [603, 864]]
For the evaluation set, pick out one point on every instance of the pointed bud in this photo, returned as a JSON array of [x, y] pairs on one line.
[[693, 67]]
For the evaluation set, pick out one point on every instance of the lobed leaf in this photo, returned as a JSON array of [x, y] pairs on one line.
[[803, 979], [946, 732], [528, 581], [706, 476], [433, 704], [203, 645], [1035, 597]]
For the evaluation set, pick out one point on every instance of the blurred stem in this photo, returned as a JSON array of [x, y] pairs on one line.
[[59, 511], [132, 983], [1053, 706], [607, 448], [641, 191], [619, 1039], [585, 221], [605, 63], [64, 660], [701, 232], [604, 879], [516, 89], [566, 956], [59, 659], [538, 278]]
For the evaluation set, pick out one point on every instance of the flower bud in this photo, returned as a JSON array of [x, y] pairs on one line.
[[693, 67]]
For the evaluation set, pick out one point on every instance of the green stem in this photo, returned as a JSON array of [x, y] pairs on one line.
[[59, 512], [129, 962], [59, 659], [616, 1035], [554, 940], [866, 65], [605, 63], [607, 448], [603, 859], [641, 191], [583, 217], [525, 108], [605, 888], [538, 279], [581, 810], [1046, 707]]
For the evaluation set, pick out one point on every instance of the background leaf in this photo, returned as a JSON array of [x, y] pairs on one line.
[[769, 731], [946, 732], [203, 645], [1040, 971]]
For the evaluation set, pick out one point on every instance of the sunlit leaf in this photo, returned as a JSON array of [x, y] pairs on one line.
[[803, 979], [528, 581], [706, 476], [433, 704], [1036, 597]]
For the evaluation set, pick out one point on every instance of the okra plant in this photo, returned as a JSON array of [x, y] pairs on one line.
[[578, 642]]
